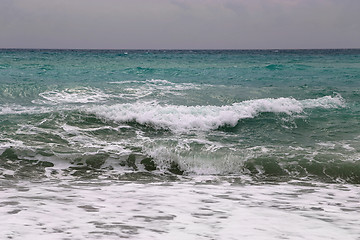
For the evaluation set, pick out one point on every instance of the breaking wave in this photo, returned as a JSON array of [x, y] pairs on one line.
[[178, 118]]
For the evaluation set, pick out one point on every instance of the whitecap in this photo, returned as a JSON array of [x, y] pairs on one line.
[[180, 118]]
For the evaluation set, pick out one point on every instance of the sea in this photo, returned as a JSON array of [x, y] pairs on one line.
[[180, 144]]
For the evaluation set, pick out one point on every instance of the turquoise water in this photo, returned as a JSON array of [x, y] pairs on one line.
[[256, 144], [278, 114]]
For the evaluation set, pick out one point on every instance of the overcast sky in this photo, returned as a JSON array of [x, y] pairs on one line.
[[180, 24]]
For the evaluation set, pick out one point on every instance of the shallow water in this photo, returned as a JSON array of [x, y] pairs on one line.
[[196, 209]]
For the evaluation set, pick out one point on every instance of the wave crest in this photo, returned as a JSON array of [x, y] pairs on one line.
[[179, 118]]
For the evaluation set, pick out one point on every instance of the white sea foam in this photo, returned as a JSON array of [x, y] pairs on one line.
[[79, 138], [140, 89], [19, 109], [324, 102], [179, 118], [75, 95], [177, 210], [15, 144]]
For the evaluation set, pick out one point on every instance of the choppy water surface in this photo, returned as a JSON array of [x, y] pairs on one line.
[[180, 144]]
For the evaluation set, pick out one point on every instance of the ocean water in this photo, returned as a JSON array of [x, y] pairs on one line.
[[251, 144]]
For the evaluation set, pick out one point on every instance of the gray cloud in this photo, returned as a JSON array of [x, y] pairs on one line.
[[180, 24]]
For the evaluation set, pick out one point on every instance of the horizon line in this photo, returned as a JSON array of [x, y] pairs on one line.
[[180, 49]]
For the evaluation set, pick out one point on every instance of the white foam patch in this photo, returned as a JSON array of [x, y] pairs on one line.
[[18, 109], [78, 138], [140, 89], [75, 95], [180, 118], [177, 210], [10, 143]]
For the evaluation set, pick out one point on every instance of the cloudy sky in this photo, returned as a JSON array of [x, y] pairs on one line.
[[180, 24]]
